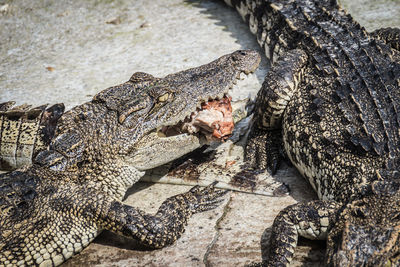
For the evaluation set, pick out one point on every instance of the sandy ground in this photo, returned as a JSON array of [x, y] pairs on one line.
[[66, 51]]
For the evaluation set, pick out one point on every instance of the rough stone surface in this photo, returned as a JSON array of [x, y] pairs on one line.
[[66, 51]]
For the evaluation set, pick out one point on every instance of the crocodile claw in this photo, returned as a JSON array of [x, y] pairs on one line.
[[206, 198]]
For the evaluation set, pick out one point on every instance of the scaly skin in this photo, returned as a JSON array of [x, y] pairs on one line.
[[54, 208], [332, 97], [25, 131]]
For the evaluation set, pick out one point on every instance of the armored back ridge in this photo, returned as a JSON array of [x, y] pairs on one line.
[[331, 101], [25, 131]]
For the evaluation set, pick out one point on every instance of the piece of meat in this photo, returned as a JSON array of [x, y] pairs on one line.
[[215, 117], [214, 120]]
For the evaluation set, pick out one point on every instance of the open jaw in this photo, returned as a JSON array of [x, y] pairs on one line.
[[212, 120], [207, 113]]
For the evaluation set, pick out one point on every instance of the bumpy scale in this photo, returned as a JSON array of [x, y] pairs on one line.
[[332, 97], [24, 132]]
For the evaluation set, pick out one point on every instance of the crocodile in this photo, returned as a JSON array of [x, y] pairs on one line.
[[51, 210], [330, 104]]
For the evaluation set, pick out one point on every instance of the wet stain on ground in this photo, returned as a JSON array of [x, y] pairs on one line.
[[246, 178], [187, 166]]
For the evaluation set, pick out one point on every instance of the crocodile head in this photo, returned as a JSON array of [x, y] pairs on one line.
[[153, 120], [185, 94], [140, 122], [367, 231]]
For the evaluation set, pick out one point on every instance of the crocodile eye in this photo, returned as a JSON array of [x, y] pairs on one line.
[[164, 97]]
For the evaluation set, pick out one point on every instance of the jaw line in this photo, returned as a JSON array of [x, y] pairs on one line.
[[161, 150]]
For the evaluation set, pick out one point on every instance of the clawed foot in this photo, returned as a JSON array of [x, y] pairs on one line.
[[203, 199], [263, 149]]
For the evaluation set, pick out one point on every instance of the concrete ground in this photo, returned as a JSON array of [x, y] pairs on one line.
[[66, 51]]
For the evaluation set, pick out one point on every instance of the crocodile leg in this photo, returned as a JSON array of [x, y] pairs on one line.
[[391, 36], [167, 225], [280, 83], [310, 220], [61, 227]]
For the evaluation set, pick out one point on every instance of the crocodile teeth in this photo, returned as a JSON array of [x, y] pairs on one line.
[[239, 77]]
